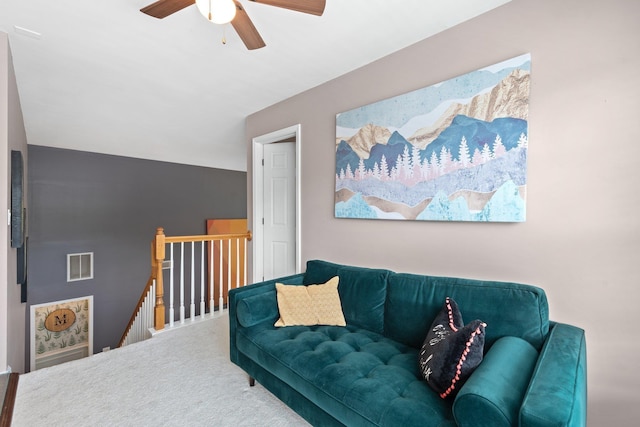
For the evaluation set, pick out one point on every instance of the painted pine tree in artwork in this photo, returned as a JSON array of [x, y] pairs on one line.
[[465, 158], [384, 168], [486, 153], [499, 149]]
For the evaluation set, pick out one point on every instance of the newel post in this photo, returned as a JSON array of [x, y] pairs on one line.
[[158, 251]]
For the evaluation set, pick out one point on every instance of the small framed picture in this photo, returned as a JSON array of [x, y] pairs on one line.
[[61, 331]]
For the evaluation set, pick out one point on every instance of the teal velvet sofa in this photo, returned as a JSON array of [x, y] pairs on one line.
[[366, 373]]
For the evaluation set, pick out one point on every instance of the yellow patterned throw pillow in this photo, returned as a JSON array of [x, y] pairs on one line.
[[310, 305]]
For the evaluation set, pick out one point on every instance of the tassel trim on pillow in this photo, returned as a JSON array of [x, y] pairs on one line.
[[463, 358], [452, 324]]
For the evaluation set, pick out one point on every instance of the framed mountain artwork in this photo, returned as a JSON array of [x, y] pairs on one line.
[[453, 151]]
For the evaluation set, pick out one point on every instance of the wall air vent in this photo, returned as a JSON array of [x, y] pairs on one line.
[[79, 266]]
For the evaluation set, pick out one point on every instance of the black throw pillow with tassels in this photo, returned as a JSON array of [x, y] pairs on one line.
[[451, 351]]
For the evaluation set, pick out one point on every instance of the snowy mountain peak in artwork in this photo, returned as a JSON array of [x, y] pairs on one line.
[[368, 136], [509, 98]]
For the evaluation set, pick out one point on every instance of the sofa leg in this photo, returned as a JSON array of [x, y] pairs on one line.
[[252, 381]]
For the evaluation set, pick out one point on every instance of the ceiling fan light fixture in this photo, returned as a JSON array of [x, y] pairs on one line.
[[217, 11]]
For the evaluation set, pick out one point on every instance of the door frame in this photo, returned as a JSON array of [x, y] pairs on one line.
[[257, 152]]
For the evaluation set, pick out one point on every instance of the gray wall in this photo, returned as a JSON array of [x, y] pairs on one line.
[[12, 137], [581, 240], [111, 206]]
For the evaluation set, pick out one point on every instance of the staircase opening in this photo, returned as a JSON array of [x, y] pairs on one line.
[[190, 279]]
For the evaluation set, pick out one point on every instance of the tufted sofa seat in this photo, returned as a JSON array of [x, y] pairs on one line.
[[348, 363], [366, 373]]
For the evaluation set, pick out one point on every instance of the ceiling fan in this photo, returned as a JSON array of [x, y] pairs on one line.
[[236, 13]]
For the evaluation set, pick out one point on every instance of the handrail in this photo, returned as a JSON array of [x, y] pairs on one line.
[[132, 319], [206, 237], [142, 298]]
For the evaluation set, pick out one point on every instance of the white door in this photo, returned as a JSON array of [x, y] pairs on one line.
[[279, 206]]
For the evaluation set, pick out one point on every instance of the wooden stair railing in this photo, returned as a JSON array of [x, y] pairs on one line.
[[232, 270], [141, 319], [131, 334]]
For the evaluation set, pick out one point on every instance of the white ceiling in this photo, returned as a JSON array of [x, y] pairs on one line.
[[104, 77]]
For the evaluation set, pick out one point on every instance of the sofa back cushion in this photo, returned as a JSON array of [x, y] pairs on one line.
[[508, 309], [362, 291]]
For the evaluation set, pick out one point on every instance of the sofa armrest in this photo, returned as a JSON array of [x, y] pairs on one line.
[[249, 306], [257, 309], [557, 394], [492, 395]]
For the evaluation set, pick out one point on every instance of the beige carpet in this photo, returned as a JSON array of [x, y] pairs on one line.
[[181, 377]]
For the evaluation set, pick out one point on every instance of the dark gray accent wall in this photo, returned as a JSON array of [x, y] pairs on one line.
[[111, 206]]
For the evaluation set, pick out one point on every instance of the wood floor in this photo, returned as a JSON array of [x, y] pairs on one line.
[[8, 389]]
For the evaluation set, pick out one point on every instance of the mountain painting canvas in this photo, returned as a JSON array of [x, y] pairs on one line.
[[453, 151]]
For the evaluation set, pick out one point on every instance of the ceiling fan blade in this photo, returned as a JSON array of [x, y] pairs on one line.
[[163, 8], [245, 29], [314, 7]]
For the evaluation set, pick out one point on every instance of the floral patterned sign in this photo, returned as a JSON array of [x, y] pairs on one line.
[[60, 327]]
